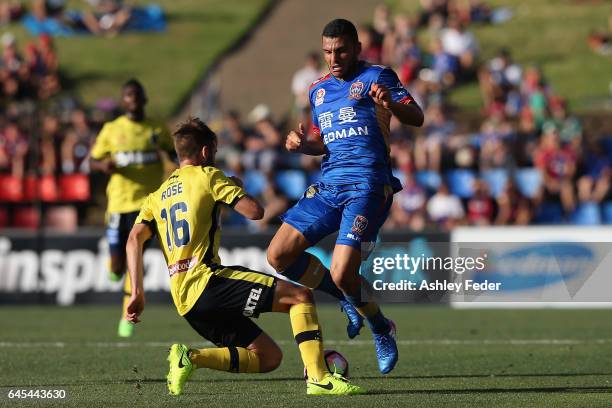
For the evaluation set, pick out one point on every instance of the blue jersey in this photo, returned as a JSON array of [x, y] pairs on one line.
[[355, 130]]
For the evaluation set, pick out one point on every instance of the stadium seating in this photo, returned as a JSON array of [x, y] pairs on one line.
[[496, 179], [49, 191], [26, 217], [606, 212], [30, 189], [430, 180], [549, 213], [606, 143], [4, 220], [461, 182], [254, 182], [292, 183], [528, 181], [586, 214], [12, 188], [74, 187]]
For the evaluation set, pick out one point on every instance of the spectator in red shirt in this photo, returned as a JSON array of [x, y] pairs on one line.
[[13, 150], [480, 207], [558, 167]]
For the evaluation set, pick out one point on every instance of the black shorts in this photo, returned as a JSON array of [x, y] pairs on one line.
[[118, 230], [232, 296]]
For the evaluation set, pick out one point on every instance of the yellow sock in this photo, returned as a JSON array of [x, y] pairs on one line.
[[127, 294], [232, 359], [307, 333]]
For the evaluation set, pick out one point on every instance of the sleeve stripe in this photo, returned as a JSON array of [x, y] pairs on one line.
[[406, 100], [236, 199], [314, 129]]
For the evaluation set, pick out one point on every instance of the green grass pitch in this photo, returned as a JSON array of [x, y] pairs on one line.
[[458, 358]]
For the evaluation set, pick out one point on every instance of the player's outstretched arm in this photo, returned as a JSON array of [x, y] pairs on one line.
[[138, 236], [408, 114], [300, 142], [249, 207]]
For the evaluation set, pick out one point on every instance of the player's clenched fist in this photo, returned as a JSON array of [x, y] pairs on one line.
[[295, 139], [381, 95]]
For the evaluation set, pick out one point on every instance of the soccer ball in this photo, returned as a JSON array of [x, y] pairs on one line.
[[336, 363]]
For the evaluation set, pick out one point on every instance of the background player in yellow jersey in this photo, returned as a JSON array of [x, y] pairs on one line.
[[218, 301], [129, 149]]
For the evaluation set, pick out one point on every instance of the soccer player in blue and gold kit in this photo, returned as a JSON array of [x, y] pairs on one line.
[[351, 112], [218, 301], [129, 149]]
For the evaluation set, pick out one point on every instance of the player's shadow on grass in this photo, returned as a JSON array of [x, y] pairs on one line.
[[585, 390], [434, 377], [218, 380], [400, 377]]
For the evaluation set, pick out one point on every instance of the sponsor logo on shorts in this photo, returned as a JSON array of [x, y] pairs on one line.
[[356, 90], [359, 224], [251, 303], [114, 220], [312, 190], [320, 96], [182, 266]]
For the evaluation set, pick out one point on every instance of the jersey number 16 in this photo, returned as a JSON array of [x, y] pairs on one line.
[[180, 227]]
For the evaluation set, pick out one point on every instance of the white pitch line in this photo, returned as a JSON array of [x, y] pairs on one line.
[[357, 343]]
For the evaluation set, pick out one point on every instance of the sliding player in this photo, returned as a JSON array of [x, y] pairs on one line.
[[218, 301]]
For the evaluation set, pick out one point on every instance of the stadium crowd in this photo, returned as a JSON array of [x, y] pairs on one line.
[[529, 161], [45, 137]]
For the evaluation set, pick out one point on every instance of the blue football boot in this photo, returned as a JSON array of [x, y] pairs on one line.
[[355, 320], [386, 349]]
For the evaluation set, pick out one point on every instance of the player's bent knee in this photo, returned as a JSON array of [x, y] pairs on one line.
[[270, 359], [303, 295], [346, 282], [275, 259]]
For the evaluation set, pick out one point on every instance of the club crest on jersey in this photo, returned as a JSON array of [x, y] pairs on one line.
[[320, 96], [356, 90], [312, 190], [359, 224]]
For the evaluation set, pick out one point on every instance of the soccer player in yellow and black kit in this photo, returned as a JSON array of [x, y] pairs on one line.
[[128, 148], [218, 301]]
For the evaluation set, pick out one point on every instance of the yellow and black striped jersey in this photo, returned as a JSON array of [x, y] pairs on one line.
[[184, 212], [134, 146]]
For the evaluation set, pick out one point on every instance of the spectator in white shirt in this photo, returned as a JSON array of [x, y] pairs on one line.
[[445, 209], [459, 43], [304, 77]]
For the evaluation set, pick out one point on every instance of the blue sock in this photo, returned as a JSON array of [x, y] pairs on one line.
[[297, 269]]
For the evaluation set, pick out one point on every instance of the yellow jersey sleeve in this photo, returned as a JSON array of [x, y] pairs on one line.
[[223, 189], [145, 216], [102, 146]]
